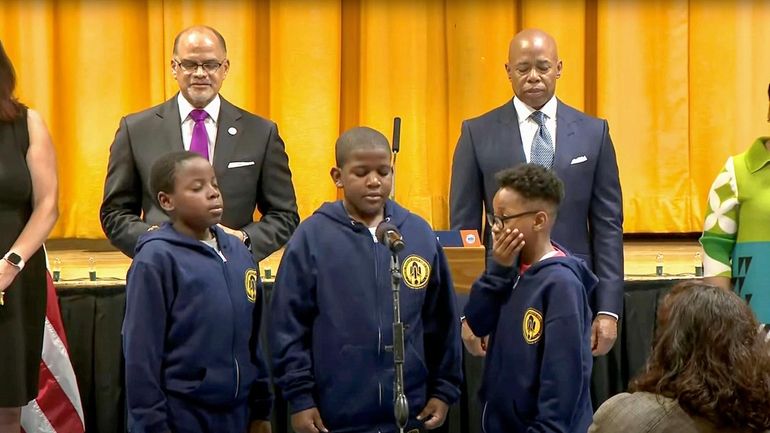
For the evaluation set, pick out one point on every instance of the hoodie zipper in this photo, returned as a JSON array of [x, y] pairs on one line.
[[379, 314], [232, 308]]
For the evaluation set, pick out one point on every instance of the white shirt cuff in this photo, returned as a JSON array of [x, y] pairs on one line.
[[607, 313]]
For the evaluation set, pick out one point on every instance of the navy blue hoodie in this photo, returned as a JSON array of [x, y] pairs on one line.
[[191, 328], [538, 365], [332, 313]]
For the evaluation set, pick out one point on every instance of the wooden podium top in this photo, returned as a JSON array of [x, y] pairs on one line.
[[466, 264]]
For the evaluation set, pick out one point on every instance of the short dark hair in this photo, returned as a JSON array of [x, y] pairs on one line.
[[164, 169], [218, 35], [710, 356], [359, 137], [533, 182], [10, 107]]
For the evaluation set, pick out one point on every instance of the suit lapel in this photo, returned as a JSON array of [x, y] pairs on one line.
[[228, 134], [171, 125], [510, 135], [565, 139]]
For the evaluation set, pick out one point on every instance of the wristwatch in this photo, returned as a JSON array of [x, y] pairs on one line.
[[14, 259]]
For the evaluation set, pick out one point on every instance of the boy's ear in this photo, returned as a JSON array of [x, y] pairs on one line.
[[541, 221], [165, 201], [336, 175]]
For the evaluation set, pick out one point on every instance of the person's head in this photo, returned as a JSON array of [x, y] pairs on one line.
[[709, 355], [363, 170], [10, 108], [186, 189], [527, 199], [533, 67], [199, 64]]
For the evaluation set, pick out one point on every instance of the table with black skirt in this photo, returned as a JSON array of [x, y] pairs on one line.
[[92, 313]]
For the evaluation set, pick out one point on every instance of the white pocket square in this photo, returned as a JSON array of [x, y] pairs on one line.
[[236, 164], [578, 160]]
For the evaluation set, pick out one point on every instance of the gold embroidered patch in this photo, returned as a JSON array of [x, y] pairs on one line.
[[415, 271], [532, 326], [251, 281]]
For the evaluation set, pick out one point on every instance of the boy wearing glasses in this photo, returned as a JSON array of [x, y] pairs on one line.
[[532, 305]]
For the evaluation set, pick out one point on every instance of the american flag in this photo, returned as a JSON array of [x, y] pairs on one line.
[[57, 408]]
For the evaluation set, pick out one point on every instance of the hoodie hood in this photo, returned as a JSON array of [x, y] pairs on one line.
[[167, 233], [575, 264], [335, 211]]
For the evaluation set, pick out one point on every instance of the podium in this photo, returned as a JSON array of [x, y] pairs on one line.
[[466, 264], [465, 255]]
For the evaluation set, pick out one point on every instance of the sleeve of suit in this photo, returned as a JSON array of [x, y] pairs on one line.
[[275, 201], [605, 220], [122, 202], [466, 195]]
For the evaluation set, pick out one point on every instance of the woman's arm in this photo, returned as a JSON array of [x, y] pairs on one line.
[[45, 209]]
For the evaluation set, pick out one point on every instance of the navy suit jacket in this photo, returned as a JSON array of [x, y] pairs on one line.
[[261, 178], [590, 219]]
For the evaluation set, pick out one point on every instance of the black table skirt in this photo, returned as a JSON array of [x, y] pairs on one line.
[[93, 317]]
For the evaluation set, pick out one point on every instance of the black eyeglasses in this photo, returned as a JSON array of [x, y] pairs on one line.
[[499, 220], [209, 67]]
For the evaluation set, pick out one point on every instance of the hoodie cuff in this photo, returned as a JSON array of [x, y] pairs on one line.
[[301, 402]]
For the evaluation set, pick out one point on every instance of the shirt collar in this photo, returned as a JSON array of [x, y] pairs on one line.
[[758, 155], [523, 111], [185, 108]]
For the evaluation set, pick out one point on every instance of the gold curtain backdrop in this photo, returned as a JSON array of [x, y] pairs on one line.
[[682, 84]]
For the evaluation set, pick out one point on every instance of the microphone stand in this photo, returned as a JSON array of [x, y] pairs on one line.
[[400, 403]]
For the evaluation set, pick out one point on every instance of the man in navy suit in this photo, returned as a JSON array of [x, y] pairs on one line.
[[576, 146]]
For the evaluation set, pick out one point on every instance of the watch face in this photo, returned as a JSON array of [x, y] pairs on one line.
[[14, 258]]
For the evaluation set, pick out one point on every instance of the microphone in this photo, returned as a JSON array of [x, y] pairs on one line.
[[388, 235], [396, 134]]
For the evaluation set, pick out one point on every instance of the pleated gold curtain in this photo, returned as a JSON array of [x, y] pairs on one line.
[[682, 84]]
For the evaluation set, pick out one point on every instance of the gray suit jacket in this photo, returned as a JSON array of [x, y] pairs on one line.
[[129, 209], [642, 412], [590, 220]]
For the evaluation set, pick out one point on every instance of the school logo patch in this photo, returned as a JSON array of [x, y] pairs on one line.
[[251, 280], [415, 270], [532, 326]]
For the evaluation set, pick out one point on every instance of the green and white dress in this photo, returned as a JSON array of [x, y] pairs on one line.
[[736, 233]]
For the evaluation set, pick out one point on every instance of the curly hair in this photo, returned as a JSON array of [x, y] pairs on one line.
[[533, 182], [10, 107], [709, 355]]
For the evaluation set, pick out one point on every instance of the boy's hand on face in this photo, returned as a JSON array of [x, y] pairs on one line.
[[506, 245], [260, 426], [434, 413], [308, 421]]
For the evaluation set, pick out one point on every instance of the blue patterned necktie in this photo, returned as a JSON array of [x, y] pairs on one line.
[[542, 145]]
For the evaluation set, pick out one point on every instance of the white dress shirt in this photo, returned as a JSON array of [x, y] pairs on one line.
[[188, 123], [528, 127]]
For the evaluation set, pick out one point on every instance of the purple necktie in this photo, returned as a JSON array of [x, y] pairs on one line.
[[200, 139]]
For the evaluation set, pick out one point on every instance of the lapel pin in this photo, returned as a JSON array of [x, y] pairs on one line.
[[232, 130]]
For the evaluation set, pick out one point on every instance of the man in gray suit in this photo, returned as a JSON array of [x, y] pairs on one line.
[[537, 127], [246, 151]]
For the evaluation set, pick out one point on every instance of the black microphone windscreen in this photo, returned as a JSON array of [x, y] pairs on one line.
[[396, 134], [382, 229]]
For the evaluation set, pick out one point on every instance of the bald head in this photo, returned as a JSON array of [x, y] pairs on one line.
[[360, 137], [533, 67], [196, 35]]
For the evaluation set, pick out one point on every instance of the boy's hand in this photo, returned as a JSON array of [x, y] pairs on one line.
[[308, 421], [434, 413], [476, 346], [260, 426], [506, 245]]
